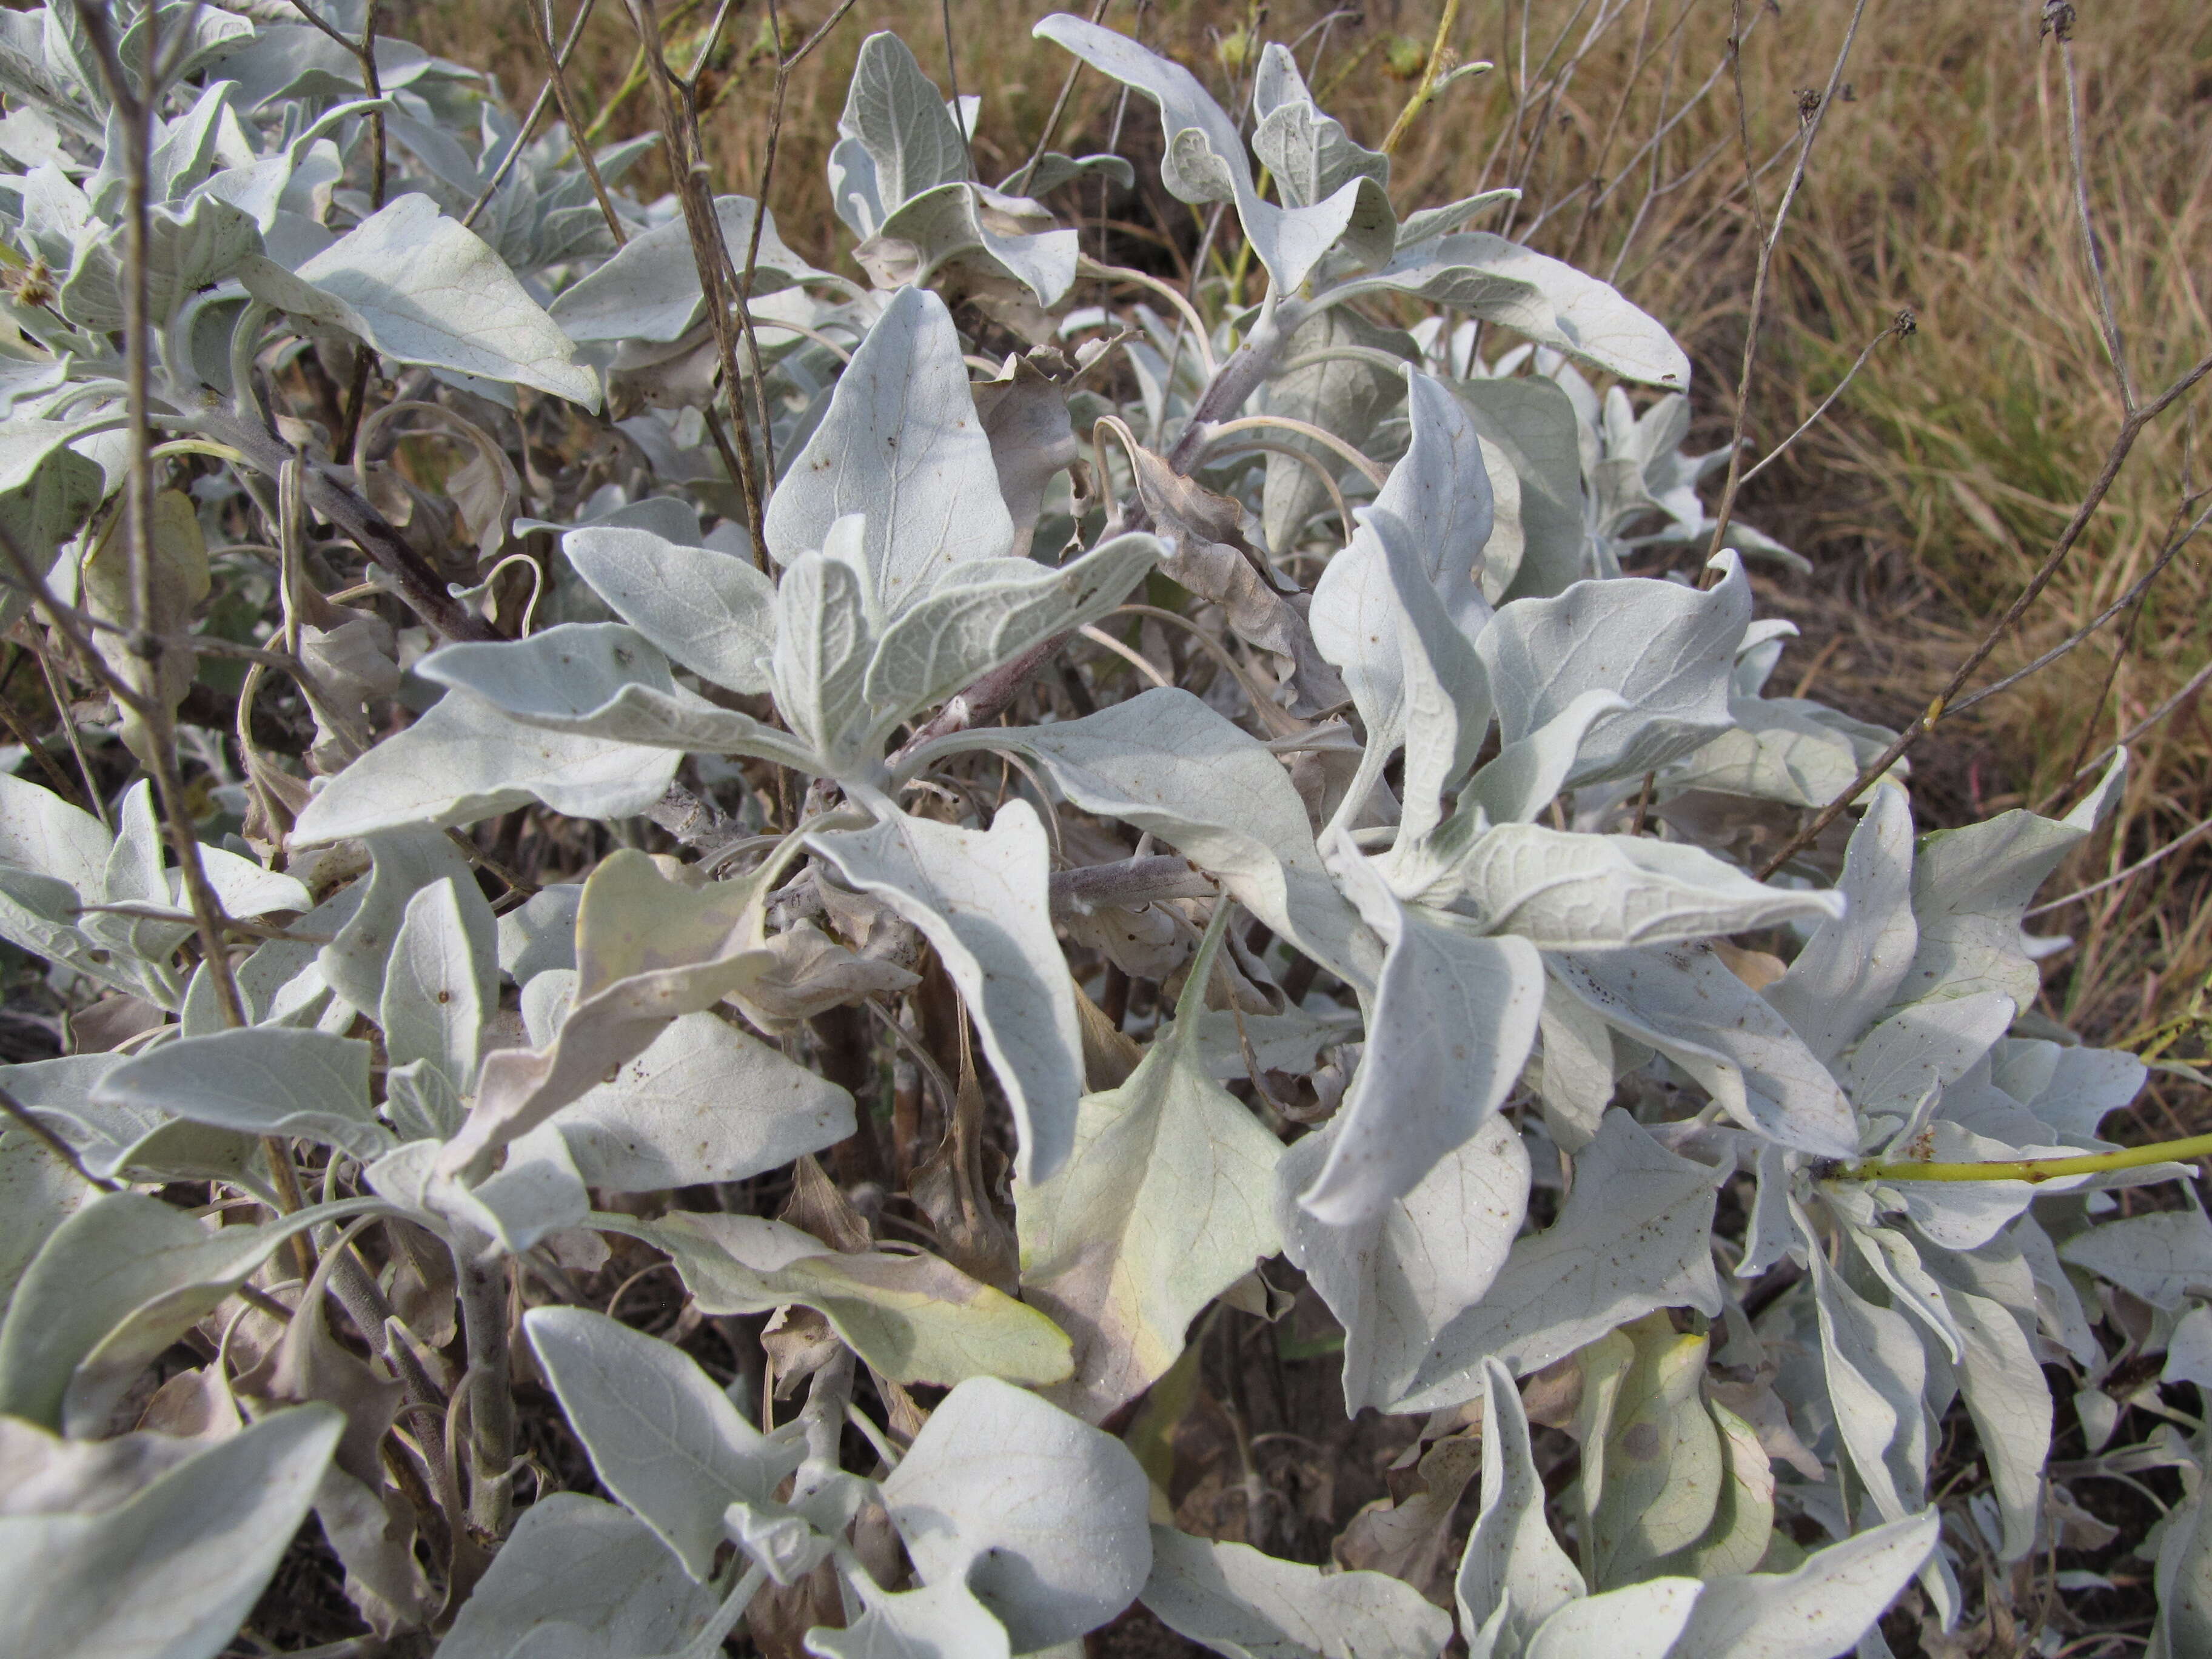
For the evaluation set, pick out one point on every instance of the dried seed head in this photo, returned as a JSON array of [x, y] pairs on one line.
[[31, 285]]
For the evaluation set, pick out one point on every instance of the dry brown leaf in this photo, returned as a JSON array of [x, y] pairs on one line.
[[1407, 1538]]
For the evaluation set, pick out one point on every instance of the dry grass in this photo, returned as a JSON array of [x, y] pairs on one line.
[[1942, 185]]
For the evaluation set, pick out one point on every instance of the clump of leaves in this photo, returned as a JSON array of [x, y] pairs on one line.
[[1414, 885]]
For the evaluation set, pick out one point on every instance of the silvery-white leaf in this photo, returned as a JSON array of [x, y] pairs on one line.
[[404, 861], [649, 290], [172, 1572], [1291, 1041], [111, 1139], [40, 509], [671, 518], [186, 251], [536, 1192], [2184, 1581], [2071, 1089], [420, 1102], [1055, 1541], [419, 288], [1684, 1002], [283, 979], [1205, 162], [1578, 1073], [583, 1580], [1850, 969], [600, 680], [1639, 1622], [1875, 1369], [1634, 1235], [663, 1436], [465, 760], [898, 116], [984, 613], [1167, 763], [36, 913], [1819, 1610], [262, 1079], [134, 871], [933, 1621], [1512, 1566], [2006, 1394], [1927, 1045], [1773, 753], [115, 1285], [1341, 395], [914, 1318], [649, 950], [1971, 886], [2160, 1257], [1551, 303], [296, 58], [433, 1007], [902, 443], [1666, 649], [980, 898], [1238, 1602], [41, 832], [1396, 1281], [1397, 610], [1964, 1215], [1563, 891], [540, 934], [38, 1192], [1449, 1026], [1524, 777], [957, 224], [1309, 155], [705, 1102], [1163, 1205], [1905, 1278], [1025, 416], [47, 1474], [711, 611], [245, 888], [2188, 1352], [822, 643], [1055, 168]]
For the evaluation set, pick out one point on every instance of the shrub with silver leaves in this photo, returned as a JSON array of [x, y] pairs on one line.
[[1174, 811]]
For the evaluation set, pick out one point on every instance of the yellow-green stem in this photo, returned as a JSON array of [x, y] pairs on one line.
[[1427, 83], [2029, 1169]]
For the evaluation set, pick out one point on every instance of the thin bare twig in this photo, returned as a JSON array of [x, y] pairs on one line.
[[2188, 838], [136, 107], [2130, 429], [1018, 184], [2095, 763], [557, 79], [60, 692], [1811, 121], [2120, 650], [952, 86], [2107, 323], [1902, 324], [537, 109], [709, 252], [784, 66], [2137, 590]]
